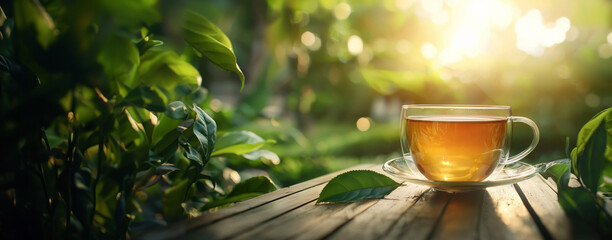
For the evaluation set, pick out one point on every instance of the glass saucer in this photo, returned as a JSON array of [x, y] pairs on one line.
[[505, 174]]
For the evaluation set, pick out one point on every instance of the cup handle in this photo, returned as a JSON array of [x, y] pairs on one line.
[[534, 141]]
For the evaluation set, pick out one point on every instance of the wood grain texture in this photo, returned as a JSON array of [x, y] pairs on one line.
[[384, 214], [245, 221], [330, 223], [504, 216], [182, 227], [419, 221], [460, 220], [548, 213], [302, 220], [527, 210]]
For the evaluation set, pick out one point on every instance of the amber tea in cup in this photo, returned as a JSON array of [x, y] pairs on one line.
[[460, 143]]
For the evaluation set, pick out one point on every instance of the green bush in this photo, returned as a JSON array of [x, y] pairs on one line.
[[106, 130]]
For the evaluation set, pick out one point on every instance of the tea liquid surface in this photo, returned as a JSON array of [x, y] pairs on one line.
[[456, 148]]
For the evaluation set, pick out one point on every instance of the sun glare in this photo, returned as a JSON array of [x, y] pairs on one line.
[[474, 28], [533, 35], [429, 51]]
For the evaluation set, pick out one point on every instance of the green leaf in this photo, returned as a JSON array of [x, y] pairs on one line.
[[238, 143], [177, 110], [209, 40], [120, 59], [559, 171], [190, 153], [166, 147], [591, 161], [205, 129], [579, 202], [166, 168], [145, 97], [230, 200], [244, 190], [133, 13], [356, 185], [145, 44], [263, 155], [31, 15], [173, 198], [164, 126], [260, 184], [585, 134], [166, 69]]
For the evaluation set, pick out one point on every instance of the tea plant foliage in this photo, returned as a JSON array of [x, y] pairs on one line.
[[106, 130], [591, 163]]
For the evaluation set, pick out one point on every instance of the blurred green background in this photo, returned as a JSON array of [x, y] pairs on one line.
[[327, 78]]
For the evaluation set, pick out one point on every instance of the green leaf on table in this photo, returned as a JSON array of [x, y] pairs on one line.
[[260, 185], [238, 143], [244, 190], [559, 171], [209, 40], [356, 185]]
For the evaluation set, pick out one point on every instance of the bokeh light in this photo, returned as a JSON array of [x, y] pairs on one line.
[[308, 38], [363, 124], [355, 45], [342, 11], [533, 35]]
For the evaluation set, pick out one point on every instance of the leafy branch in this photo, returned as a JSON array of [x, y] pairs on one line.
[[591, 162]]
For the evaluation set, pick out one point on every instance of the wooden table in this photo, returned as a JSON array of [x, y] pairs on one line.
[[527, 210]]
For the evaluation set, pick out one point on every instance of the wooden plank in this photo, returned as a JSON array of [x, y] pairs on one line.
[[544, 208], [182, 227], [232, 226], [550, 182], [244, 221], [460, 220], [332, 222], [306, 222], [378, 219], [311, 221], [419, 221], [503, 216]]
